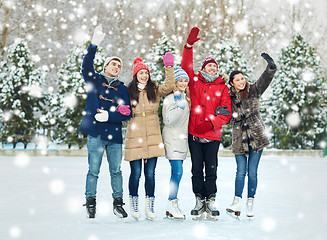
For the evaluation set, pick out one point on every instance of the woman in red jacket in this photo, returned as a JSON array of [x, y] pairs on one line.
[[208, 93]]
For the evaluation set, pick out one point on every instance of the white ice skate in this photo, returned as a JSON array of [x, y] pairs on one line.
[[173, 211], [149, 208], [134, 205], [249, 207], [234, 210]]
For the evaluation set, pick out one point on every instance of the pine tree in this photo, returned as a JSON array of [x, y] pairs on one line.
[[157, 67], [298, 103], [70, 99], [22, 96], [229, 58]]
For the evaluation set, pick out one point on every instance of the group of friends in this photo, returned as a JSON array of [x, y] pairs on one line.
[[195, 107]]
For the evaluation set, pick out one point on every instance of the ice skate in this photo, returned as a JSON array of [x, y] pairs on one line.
[[234, 210], [249, 207], [90, 207], [149, 208], [212, 212], [199, 209], [173, 211], [134, 205], [118, 208]]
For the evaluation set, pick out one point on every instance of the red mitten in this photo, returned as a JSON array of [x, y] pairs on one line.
[[193, 36], [204, 127], [124, 110]]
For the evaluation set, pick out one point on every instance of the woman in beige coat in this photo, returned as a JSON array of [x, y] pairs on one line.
[[143, 138]]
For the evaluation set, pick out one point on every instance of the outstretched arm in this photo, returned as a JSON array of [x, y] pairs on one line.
[[187, 58], [87, 65], [267, 76], [168, 86]]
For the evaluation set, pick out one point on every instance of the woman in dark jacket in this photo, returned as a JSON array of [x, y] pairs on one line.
[[249, 136]]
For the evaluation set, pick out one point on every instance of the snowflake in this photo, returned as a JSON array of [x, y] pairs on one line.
[[57, 186], [293, 120]]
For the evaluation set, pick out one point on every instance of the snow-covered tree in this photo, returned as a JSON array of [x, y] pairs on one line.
[[298, 103], [22, 96], [70, 97], [157, 67], [230, 57]]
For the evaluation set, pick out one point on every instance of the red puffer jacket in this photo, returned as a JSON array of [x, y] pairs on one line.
[[205, 98]]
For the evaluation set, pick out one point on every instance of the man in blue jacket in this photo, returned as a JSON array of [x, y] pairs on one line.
[[107, 106]]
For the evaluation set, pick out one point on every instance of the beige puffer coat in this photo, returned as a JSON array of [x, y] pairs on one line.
[[143, 137]]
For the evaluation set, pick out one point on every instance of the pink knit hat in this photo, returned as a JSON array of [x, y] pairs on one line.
[[208, 60], [139, 65]]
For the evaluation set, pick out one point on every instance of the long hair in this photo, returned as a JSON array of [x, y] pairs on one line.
[[133, 91], [245, 91]]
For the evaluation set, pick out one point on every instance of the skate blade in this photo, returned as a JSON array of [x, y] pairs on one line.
[[121, 220], [232, 214], [212, 218], [198, 217], [250, 218], [170, 216]]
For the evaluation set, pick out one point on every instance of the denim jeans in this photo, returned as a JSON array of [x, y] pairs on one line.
[[149, 173], [176, 176], [247, 166], [96, 148]]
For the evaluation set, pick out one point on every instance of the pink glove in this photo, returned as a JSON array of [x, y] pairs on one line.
[[204, 127], [124, 110], [193, 36], [168, 59]]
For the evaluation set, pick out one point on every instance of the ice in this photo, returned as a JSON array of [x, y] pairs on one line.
[[289, 204]]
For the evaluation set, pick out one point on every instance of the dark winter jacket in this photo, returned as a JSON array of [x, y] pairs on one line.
[[205, 98], [111, 97], [248, 126]]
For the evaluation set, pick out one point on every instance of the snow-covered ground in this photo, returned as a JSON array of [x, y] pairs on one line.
[[42, 197]]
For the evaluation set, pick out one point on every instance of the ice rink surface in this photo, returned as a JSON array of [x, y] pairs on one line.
[[42, 197]]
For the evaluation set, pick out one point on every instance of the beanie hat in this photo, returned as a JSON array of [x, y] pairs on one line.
[[107, 61], [180, 74], [139, 65], [207, 60]]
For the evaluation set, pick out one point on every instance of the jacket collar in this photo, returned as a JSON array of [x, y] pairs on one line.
[[218, 80]]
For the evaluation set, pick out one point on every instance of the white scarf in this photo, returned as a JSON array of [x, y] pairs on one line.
[[141, 86]]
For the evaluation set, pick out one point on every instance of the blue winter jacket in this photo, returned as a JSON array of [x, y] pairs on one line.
[[111, 98]]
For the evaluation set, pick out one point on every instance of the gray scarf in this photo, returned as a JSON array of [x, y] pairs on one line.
[[109, 79], [208, 77]]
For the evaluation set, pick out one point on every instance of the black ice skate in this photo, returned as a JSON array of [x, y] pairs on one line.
[[118, 208], [212, 212], [90, 207], [199, 209]]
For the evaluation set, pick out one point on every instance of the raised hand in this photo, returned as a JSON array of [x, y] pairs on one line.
[[269, 60], [98, 36], [193, 36], [168, 59]]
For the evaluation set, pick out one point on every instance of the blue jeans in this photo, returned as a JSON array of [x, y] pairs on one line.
[[247, 166], [176, 176], [149, 173], [96, 148]]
